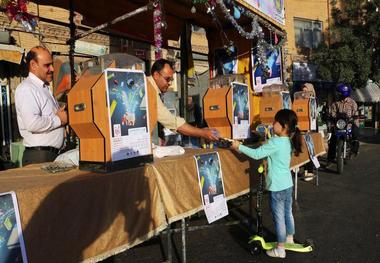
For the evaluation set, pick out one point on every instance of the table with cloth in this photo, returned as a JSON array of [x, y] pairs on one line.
[[85, 216]]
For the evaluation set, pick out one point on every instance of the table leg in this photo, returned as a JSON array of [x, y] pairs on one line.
[[296, 183], [169, 234], [183, 226], [317, 179]]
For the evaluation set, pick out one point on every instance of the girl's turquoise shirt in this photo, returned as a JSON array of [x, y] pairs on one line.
[[279, 153]]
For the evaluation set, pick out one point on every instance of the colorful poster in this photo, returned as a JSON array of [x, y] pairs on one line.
[[240, 105], [286, 100], [313, 113], [272, 75], [310, 148], [5, 113], [211, 186], [12, 247], [275, 9], [128, 113], [225, 61], [62, 74]]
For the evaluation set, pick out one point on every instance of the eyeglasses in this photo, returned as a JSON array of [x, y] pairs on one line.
[[167, 79]]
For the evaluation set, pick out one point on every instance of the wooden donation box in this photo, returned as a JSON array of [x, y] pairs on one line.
[[112, 117], [274, 98], [305, 106], [227, 105]]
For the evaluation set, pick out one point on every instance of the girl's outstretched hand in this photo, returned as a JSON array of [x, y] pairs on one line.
[[235, 144]]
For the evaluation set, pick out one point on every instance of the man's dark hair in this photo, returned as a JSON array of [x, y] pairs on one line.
[[32, 55], [160, 64]]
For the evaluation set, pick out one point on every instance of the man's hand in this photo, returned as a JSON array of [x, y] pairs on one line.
[[62, 115], [210, 134]]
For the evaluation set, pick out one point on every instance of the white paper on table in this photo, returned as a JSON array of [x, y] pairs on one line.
[[211, 186]]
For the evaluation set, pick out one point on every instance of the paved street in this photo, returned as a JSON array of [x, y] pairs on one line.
[[341, 216]]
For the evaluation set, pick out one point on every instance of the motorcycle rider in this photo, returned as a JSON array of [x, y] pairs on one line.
[[344, 104]]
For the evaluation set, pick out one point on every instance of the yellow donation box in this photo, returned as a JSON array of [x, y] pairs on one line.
[[305, 106], [111, 114], [274, 98], [227, 107]]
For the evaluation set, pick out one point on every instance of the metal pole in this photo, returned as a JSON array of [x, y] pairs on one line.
[[296, 182], [116, 20], [169, 235], [183, 223], [184, 69], [72, 42]]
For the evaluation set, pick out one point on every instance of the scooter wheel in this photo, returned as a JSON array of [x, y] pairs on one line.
[[309, 242], [255, 248]]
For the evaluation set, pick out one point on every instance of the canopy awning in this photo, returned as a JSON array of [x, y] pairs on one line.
[[11, 53], [370, 93], [140, 26]]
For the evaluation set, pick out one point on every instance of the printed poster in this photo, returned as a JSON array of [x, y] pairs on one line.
[[286, 100], [310, 148], [240, 105], [211, 186], [263, 78], [12, 247], [275, 9], [225, 61], [313, 113], [128, 113]]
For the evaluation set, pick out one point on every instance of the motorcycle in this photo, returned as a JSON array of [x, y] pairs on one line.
[[342, 134]]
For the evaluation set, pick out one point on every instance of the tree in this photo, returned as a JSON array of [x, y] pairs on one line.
[[353, 56]]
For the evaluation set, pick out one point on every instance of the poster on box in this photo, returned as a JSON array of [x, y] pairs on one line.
[[286, 100], [211, 185], [240, 105], [313, 113], [310, 148], [225, 61], [128, 113], [263, 78], [12, 247], [275, 9]]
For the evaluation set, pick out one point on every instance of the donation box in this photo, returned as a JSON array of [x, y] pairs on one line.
[[227, 108], [274, 98], [305, 106], [111, 115]]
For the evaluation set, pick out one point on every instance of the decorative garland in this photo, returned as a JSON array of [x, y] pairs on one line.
[[256, 32], [157, 27], [17, 10]]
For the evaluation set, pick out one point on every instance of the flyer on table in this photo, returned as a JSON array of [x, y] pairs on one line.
[[211, 185], [12, 247]]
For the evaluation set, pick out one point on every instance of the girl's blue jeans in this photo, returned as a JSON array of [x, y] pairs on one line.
[[281, 204]]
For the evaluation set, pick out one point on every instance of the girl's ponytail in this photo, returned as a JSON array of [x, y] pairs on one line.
[[297, 141], [288, 118]]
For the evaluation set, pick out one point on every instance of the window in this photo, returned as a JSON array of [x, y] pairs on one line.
[[308, 33]]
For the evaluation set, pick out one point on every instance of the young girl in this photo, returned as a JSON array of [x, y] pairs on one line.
[[279, 182]]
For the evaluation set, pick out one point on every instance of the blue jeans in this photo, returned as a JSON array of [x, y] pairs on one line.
[[281, 204]]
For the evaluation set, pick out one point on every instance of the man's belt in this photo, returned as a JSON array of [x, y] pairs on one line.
[[43, 148]]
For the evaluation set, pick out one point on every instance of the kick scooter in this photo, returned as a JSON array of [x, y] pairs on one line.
[[256, 242]]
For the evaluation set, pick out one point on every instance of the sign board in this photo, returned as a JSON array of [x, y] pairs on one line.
[[275, 9]]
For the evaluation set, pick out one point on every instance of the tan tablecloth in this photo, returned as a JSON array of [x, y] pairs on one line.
[[82, 216], [178, 181], [77, 215]]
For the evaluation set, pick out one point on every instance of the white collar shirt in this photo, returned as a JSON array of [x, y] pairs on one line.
[[36, 110]]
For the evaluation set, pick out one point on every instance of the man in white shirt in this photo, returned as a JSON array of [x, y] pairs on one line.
[[40, 119]]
